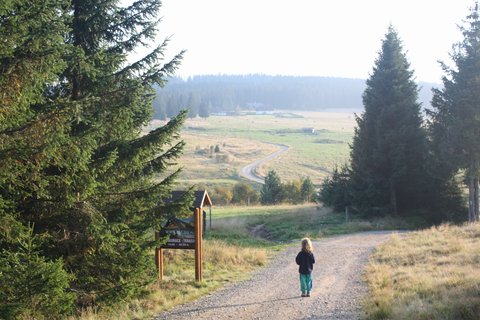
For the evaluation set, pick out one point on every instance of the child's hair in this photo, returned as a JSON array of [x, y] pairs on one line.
[[307, 245]]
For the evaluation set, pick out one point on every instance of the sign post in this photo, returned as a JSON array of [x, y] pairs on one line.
[[159, 258], [198, 245], [182, 234]]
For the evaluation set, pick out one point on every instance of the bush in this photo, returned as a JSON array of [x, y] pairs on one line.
[[30, 285], [244, 193], [336, 190]]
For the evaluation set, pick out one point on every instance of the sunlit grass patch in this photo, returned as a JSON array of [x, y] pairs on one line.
[[431, 274], [222, 263]]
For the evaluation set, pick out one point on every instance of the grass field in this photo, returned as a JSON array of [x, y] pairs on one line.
[[431, 274], [243, 139], [286, 223]]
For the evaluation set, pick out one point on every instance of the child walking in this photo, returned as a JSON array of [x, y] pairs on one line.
[[305, 260]]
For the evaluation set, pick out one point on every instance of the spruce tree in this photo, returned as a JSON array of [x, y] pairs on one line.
[[272, 189], [31, 287], [389, 145], [204, 110], [455, 120], [31, 53], [74, 159], [120, 176], [336, 190]]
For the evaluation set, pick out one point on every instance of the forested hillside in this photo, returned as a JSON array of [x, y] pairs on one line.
[[222, 93]]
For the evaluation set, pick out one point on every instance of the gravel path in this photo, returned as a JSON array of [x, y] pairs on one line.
[[273, 292], [249, 171]]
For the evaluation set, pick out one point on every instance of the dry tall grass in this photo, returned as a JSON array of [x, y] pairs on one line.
[[222, 263], [431, 274]]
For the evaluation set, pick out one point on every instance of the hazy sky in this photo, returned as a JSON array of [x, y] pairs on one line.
[[339, 38]]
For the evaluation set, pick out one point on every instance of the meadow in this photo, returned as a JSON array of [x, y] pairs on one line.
[[243, 139], [429, 274]]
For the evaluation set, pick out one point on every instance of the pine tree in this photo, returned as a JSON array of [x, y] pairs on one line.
[[159, 106], [455, 120], [204, 110], [336, 190], [272, 190], [31, 53], [75, 162], [32, 129], [114, 198], [192, 105], [30, 286], [389, 146], [307, 190]]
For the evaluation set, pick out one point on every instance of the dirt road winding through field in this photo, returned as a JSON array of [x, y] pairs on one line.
[[249, 171], [273, 292]]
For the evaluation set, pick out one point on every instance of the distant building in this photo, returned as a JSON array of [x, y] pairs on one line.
[[309, 130]]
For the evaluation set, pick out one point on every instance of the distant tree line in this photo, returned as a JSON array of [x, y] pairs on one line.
[[203, 95], [401, 165]]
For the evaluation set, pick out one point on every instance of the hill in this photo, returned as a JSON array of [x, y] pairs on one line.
[[226, 93]]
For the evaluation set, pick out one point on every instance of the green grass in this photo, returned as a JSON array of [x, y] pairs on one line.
[[242, 139], [289, 222]]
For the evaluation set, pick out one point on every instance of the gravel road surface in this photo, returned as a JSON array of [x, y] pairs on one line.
[[273, 292]]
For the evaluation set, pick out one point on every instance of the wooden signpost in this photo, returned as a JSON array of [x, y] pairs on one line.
[[185, 234], [198, 244], [182, 235]]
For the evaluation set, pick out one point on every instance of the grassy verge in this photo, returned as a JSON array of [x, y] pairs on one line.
[[223, 263], [431, 274], [289, 222]]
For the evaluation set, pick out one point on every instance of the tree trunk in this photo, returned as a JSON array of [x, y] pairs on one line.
[[471, 214], [393, 198], [475, 199]]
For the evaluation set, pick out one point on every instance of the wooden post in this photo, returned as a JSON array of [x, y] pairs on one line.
[[346, 214], [159, 258], [160, 264], [198, 245]]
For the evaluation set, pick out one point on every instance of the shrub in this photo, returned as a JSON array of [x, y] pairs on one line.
[[30, 285]]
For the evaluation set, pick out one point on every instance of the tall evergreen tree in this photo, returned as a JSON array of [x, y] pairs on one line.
[[31, 53], [113, 199], [74, 161], [389, 146], [32, 129], [159, 106], [204, 110], [192, 105], [455, 120]]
